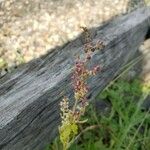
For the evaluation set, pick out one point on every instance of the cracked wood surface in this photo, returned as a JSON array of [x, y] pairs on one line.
[[30, 96]]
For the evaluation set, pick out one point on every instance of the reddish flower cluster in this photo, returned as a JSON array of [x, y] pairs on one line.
[[79, 80], [80, 76], [81, 73]]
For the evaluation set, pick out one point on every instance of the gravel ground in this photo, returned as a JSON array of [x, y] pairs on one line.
[[31, 28]]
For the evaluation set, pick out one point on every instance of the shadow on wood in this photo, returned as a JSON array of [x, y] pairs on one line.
[[30, 96]]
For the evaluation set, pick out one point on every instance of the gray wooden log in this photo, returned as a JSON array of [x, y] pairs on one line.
[[30, 96]]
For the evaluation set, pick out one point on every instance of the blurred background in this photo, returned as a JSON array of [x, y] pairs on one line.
[[31, 28]]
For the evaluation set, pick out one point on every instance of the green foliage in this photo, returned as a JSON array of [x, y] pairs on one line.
[[67, 132], [124, 127]]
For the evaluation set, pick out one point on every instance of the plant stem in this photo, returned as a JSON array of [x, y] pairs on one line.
[[83, 131]]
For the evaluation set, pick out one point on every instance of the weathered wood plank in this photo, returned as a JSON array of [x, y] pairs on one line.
[[29, 97]]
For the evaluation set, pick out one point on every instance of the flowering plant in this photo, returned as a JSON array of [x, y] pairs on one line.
[[70, 118]]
